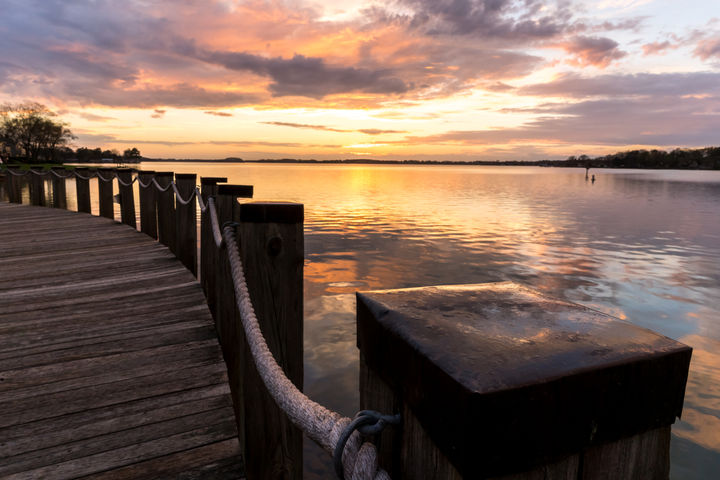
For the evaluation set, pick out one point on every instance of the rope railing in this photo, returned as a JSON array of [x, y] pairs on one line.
[[336, 434], [115, 176]]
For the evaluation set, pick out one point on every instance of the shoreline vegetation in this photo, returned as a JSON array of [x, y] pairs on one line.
[[678, 159]]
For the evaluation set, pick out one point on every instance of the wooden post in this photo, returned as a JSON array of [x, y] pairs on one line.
[[37, 189], [166, 210], [127, 197], [148, 204], [105, 192], [271, 235], [59, 194], [186, 221], [4, 179], [208, 249], [499, 381], [224, 310], [82, 188], [14, 185]]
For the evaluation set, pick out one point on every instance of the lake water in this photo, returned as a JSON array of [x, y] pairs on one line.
[[640, 245]]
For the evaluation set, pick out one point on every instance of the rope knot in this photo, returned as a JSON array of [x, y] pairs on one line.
[[366, 422]]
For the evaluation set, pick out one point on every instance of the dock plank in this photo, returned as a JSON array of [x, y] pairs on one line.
[[109, 362]]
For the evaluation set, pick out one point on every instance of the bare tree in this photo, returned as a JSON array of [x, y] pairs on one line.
[[29, 129]]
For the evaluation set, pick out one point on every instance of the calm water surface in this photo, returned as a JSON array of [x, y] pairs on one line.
[[641, 245]]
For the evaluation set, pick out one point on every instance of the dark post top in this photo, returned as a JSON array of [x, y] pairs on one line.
[[212, 180], [504, 378], [244, 191], [272, 212]]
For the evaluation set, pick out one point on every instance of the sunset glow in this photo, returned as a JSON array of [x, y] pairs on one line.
[[401, 79]]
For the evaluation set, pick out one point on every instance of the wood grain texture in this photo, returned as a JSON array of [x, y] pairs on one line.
[[148, 204], [127, 197], [166, 210], [59, 199], [105, 193], [109, 361], [82, 188], [186, 222], [272, 255]]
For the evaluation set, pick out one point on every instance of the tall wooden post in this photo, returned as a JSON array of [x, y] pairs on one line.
[[208, 249], [166, 210], [127, 197], [82, 189], [271, 235], [224, 309], [37, 189], [498, 381], [59, 195], [148, 203], [186, 221], [105, 192]]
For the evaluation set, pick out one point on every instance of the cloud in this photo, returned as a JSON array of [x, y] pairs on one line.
[[708, 48], [158, 113], [217, 113], [658, 48], [619, 122], [377, 131], [596, 51], [490, 19], [309, 76], [641, 84], [304, 125], [367, 131]]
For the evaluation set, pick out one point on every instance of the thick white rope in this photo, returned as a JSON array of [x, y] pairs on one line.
[[203, 206], [320, 424], [162, 189], [179, 198]]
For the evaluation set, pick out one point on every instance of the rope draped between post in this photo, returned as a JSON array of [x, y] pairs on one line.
[[327, 428]]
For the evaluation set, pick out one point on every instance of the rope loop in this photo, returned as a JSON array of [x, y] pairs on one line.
[[367, 422]]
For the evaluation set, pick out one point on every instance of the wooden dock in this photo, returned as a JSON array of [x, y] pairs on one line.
[[109, 361]]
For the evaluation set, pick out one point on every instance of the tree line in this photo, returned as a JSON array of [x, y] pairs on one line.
[[31, 133]]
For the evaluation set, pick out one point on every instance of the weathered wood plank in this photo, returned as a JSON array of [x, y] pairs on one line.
[[109, 360]]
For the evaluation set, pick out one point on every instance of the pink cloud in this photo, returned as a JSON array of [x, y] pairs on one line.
[[592, 51]]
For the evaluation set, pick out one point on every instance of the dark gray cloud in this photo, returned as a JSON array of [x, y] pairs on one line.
[[217, 113], [516, 21], [310, 76]]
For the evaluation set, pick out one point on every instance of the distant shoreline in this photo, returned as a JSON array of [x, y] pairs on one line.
[[601, 162]]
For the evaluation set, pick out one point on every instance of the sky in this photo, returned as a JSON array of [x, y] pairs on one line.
[[399, 79]]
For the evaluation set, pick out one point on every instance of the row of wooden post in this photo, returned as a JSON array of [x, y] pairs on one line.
[[271, 235]]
